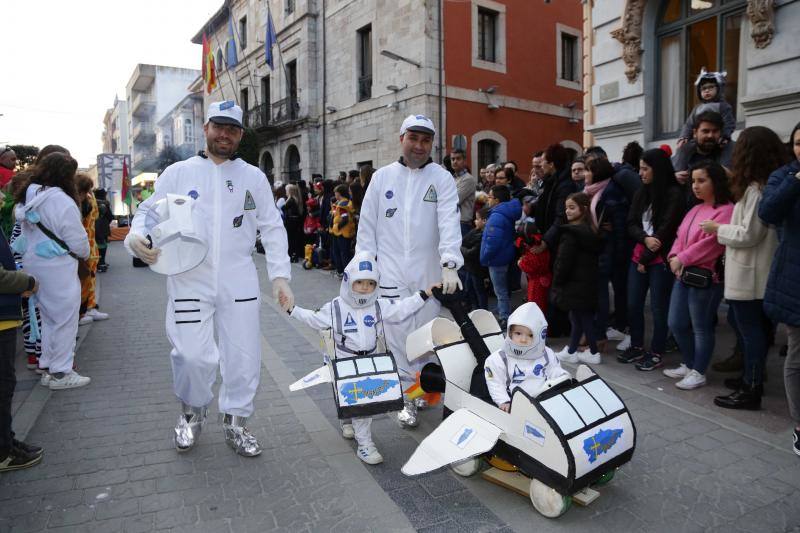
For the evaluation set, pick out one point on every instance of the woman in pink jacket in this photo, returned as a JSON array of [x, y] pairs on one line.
[[694, 259]]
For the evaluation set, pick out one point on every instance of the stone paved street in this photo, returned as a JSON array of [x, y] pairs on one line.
[[110, 464]]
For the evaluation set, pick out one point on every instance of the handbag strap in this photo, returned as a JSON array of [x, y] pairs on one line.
[[58, 241]]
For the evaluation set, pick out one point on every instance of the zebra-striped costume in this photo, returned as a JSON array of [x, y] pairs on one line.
[[31, 347]]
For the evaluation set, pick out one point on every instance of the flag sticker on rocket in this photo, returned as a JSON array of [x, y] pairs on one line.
[[430, 196], [534, 433], [463, 436]]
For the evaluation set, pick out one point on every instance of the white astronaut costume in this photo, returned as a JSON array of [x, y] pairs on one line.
[[59, 296], [231, 201], [355, 320], [518, 366], [410, 221]]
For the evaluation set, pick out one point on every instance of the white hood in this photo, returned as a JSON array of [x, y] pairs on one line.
[[32, 203], [530, 316], [362, 266]]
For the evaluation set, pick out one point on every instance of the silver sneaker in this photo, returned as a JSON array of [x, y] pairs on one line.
[[239, 437], [408, 416], [190, 424]]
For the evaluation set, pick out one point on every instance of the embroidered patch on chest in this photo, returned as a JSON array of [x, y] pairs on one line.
[[238, 221], [249, 203], [390, 212], [430, 195], [193, 193], [229, 184]]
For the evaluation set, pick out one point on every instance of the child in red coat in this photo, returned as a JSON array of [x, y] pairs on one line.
[[535, 266]]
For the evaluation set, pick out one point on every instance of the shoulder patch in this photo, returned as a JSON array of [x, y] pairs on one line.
[[390, 212], [430, 196], [249, 203]]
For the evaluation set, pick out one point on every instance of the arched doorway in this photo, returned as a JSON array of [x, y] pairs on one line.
[[292, 166], [268, 167]]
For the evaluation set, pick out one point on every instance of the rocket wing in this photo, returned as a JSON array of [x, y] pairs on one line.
[[460, 436], [315, 377]]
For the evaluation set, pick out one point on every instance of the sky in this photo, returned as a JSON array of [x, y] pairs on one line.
[[65, 62]]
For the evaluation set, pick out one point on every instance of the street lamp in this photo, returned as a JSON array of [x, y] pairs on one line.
[[397, 57]]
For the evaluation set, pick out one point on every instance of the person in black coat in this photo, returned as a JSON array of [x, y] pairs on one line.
[[549, 216], [476, 273], [575, 277], [102, 227]]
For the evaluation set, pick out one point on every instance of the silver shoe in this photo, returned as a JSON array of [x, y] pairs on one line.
[[421, 403], [408, 416], [239, 437], [190, 424]]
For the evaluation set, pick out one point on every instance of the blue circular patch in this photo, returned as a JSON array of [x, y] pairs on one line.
[[369, 321], [193, 194], [389, 195], [537, 370], [544, 333]]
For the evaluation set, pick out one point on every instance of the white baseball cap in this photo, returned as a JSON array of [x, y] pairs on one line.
[[226, 112], [419, 123]]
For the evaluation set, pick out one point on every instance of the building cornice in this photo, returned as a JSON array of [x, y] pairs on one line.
[[521, 104]]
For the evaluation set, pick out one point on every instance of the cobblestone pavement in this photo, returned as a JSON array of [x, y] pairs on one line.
[[110, 464]]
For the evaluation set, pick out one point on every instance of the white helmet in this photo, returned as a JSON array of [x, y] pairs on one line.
[[170, 225], [530, 316], [362, 266]]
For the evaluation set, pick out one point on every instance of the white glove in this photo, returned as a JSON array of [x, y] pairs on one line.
[[450, 280], [141, 248], [283, 294]]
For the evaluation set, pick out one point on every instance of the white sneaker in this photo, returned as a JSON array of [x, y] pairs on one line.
[[565, 357], [693, 380], [625, 344], [46, 377], [96, 314], [677, 373], [588, 357], [85, 319], [348, 432], [69, 381], [615, 334], [369, 454]]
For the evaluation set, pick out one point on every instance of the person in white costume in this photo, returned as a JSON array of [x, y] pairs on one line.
[[410, 222], [52, 239], [232, 200], [358, 316], [524, 361]]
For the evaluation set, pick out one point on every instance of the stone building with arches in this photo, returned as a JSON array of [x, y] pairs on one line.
[[645, 55]]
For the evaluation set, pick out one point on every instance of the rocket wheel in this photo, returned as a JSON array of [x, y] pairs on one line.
[[605, 478], [467, 468], [547, 500]]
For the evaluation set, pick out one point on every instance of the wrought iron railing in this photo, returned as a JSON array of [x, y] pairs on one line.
[[364, 88], [258, 117], [285, 110]]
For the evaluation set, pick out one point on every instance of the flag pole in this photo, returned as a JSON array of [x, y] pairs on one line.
[[230, 79], [249, 76]]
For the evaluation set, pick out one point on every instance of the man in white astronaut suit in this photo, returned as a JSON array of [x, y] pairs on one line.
[[232, 199], [410, 222]]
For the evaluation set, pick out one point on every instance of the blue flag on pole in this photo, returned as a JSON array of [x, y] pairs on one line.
[[232, 59], [270, 41]]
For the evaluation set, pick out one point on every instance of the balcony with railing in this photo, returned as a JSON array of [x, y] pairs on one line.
[[258, 117], [364, 87], [143, 132], [285, 110], [143, 105], [141, 157]]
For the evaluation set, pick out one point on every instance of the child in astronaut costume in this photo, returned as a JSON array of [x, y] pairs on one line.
[[355, 316], [524, 361]]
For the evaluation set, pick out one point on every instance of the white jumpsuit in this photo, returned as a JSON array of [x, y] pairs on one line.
[[504, 373], [59, 295], [232, 201], [357, 330], [409, 220]]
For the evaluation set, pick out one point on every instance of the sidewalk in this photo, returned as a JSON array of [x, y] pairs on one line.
[[110, 464]]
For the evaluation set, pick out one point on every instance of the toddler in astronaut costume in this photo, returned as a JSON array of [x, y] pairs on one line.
[[524, 361], [355, 317]]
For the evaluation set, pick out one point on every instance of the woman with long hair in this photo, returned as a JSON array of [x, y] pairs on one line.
[[609, 212], [293, 211], [655, 214], [750, 245], [697, 291], [780, 206], [89, 211], [52, 239]]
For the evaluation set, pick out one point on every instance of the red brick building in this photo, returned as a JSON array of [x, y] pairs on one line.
[[513, 71]]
